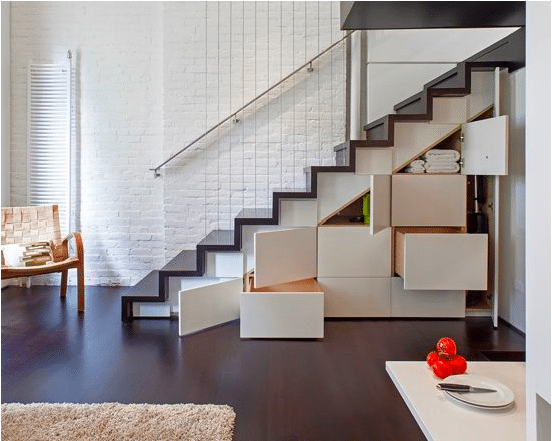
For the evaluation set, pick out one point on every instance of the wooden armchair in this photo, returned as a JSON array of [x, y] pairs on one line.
[[21, 225]]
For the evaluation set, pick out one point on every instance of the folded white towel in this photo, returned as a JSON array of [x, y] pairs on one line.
[[415, 170], [417, 163], [441, 154], [440, 161], [451, 167]]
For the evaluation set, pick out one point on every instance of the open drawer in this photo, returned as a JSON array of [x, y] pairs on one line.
[[286, 310], [431, 258]]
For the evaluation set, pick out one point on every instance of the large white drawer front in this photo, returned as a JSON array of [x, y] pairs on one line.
[[425, 303], [443, 261], [428, 200], [282, 315], [356, 296], [353, 252]]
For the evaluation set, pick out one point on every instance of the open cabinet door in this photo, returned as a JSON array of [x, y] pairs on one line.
[[285, 256], [380, 203], [485, 147]]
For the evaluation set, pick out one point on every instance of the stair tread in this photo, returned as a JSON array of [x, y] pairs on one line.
[[147, 287], [184, 261], [218, 238], [255, 213]]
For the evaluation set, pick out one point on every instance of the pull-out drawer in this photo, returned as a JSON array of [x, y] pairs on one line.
[[287, 310], [444, 261]]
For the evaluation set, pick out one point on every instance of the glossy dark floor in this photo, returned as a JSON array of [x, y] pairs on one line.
[[332, 389]]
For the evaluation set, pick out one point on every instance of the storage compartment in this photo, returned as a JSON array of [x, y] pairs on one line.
[[356, 297], [286, 310], [356, 213], [428, 200], [442, 259], [353, 252]]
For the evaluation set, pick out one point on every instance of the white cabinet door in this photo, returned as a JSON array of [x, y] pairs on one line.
[[485, 147], [284, 256], [209, 305], [356, 296], [428, 200], [353, 252], [444, 261], [380, 203]]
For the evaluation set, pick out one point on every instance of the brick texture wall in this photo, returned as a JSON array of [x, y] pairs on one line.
[[152, 76]]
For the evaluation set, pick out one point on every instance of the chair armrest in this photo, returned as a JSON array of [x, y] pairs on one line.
[[78, 242]]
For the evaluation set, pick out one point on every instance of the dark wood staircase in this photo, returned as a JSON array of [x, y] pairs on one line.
[[507, 53]]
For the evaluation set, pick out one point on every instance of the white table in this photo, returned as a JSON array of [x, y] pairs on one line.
[[442, 418]]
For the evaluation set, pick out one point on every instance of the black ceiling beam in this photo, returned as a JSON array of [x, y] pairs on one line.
[[430, 15]]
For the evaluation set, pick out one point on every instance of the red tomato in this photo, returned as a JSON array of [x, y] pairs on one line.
[[459, 364], [446, 345], [442, 368], [431, 358]]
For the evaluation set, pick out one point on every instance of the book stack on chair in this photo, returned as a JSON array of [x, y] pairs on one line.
[[37, 253]]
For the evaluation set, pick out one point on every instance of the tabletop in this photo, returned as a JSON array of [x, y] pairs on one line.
[[442, 417]]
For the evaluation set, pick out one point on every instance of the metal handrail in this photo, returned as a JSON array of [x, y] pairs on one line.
[[234, 114]]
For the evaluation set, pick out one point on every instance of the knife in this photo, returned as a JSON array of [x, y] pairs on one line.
[[451, 387]]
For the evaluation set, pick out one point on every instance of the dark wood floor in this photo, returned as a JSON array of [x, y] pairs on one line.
[[332, 389]]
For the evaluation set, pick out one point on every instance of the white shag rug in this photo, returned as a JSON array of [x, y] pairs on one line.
[[114, 421]]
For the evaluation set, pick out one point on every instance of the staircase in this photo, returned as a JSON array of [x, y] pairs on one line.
[[507, 53]]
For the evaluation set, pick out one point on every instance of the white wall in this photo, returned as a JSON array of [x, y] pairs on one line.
[[143, 70], [400, 62], [300, 123], [538, 207], [511, 281], [117, 50], [5, 104]]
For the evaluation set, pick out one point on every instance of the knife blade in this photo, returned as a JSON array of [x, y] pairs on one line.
[[451, 387]]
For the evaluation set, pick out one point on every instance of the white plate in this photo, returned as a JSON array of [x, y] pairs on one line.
[[501, 398]]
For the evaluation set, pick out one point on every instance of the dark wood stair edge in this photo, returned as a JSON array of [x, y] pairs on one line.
[[455, 82], [462, 70]]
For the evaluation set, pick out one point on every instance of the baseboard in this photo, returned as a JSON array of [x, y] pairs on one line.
[[512, 327]]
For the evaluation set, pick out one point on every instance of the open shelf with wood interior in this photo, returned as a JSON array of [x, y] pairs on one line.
[[353, 214]]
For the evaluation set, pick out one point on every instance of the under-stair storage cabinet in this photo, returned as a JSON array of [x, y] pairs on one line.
[[354, 270], [427, 259], [282, 299], [428, 200]]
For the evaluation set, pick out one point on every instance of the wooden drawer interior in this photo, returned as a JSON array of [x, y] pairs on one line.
[[305, 285]]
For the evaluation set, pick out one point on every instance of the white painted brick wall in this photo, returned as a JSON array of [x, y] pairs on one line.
[[142, 95]]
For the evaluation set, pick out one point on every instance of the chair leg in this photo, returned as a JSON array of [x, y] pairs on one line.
[[63, 290], [80, 281]]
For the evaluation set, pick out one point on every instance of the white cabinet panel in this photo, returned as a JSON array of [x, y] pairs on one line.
[[356, 297], [450, 110], [485, 147], [353, 252], [374, 161], [428, 200], [424, 303], [282, 315], [290, 310], [336, 190], [284, 256], [443, 261], [210, 305], [380, 203], [298, 213]]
